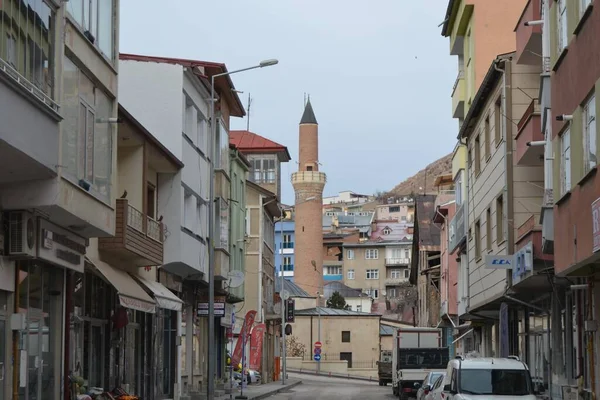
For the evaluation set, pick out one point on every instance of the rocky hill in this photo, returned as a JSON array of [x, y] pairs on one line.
[[422, 179]]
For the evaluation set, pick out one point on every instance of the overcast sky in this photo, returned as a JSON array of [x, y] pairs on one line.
[[378, 72]]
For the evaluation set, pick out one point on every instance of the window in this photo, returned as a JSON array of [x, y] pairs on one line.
[[565, 162], [287, 241], [392, 293], [486, 132], [87, 135], [29, 39], [287, 264], [477, 155], [222, 223], [350, 274], [395, 274], [345, 336], [488, 229], [562, 39], [95, 18], [477, 240], [590, 150], [584, 4], [263, 170], [372, 274], [499, 219], [387, 231], [406, 273], [498, 121], [247, 222], [394, 209], [332, 270], [406, 253], [222, 159], [458, 188], [350, 254], [372, 254]]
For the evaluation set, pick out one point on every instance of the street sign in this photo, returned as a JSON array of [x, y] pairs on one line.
[[318, 345], [318, 352], [290, 310], [499, 262], [317, 357]]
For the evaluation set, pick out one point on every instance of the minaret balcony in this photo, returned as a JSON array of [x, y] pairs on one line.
[[309, 177]]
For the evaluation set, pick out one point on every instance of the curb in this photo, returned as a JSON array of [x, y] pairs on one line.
[[334, 375], [275, 391]]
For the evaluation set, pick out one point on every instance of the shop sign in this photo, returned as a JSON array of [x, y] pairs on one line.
[[596, 225], [523, 263], [60, 247], [228, 320], [219, 307]]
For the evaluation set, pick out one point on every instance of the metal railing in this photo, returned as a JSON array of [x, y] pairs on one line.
[[27, 85], [135, 219], [397, 261], [309, 176], [461, 75]]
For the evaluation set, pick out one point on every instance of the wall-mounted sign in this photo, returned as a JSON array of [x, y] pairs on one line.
[[499, 262], [219, 307], [61, 247], [523, 264]]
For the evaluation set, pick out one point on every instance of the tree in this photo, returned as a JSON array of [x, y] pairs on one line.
[[293, 347], [336, 301]]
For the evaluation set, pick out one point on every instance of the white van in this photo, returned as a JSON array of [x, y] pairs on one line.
[[488, 378]]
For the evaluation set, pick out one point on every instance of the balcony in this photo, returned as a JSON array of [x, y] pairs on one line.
[[395, 281], [458, 96], [138, 238], [392, 262], [457, 230], [288, 248], [309, 177], [529, 38], [29, 138], [221, 264], [529, 129]]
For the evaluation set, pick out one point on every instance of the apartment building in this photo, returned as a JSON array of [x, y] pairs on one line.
[[58, 85], [347, 196], [570, 108], [175, 109], [425, 261], [285, 241], [263, 190], [402, 210]]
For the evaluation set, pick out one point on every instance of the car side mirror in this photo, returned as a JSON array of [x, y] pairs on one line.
[[448, 388], [417, 385]]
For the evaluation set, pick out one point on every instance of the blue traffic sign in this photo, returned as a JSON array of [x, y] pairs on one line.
[[317, 352], [317, 357]]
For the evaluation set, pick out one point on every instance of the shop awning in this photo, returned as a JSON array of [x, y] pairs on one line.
[[131, 294], [163, 296]]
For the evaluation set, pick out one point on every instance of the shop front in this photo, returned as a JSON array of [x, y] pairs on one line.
[[7, 288]]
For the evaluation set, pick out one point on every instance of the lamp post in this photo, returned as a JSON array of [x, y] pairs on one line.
[[212, 355]]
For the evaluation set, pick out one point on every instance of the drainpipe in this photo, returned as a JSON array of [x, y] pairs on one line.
[[261, 311], [466, 205], [590, 294], [447, 257]]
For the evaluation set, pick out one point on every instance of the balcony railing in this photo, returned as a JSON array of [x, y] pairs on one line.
[[138, 238], [288, 245], [461, 75], [309, 176], [397, 261], [395, 281]]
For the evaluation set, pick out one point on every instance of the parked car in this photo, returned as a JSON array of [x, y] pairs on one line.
[[488, 378], [425, 387], [437, 390]]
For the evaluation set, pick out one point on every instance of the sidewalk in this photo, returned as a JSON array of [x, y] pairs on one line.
[[257, 392]]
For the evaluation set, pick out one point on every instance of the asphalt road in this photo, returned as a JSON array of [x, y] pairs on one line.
[[323, 388]]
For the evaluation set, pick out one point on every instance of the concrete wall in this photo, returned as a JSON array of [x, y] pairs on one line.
[[364, 336]]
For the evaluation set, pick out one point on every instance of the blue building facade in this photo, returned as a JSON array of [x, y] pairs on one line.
[[285, 243]]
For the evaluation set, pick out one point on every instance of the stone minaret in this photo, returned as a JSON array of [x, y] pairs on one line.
[[308, 185]]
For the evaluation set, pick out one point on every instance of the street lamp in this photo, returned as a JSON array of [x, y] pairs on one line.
[[283, 316], [319, 296], [212, 355]]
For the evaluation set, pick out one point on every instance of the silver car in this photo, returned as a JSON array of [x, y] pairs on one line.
[[427, 384]]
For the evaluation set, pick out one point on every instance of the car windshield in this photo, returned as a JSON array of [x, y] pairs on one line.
[[502, 382]]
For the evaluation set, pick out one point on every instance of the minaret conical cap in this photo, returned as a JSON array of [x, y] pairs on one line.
[[309, 115]]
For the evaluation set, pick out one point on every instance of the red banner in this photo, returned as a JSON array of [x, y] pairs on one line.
[[256, 345], [239, 346]]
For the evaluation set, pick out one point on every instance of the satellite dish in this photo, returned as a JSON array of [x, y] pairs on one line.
[[286, 295], [236, 278]]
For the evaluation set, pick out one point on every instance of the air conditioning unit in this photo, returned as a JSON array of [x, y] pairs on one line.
[[22, 234]]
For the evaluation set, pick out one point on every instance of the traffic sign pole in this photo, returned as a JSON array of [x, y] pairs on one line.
[[317, 354]]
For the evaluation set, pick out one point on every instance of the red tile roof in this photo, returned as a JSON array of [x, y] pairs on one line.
[[210, 68], [250, 142]]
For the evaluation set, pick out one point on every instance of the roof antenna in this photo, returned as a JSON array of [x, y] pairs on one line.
[[248, 113]]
